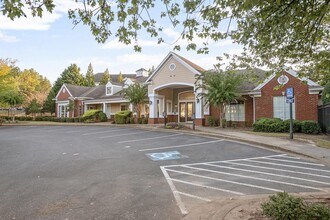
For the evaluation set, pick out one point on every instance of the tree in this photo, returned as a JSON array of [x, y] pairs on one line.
[[13, 99], [90, 80], [120, 77], [34, 107], [273, 32], [105, 78], [49, 104], [219, 88], [326, 94], [136, 95]]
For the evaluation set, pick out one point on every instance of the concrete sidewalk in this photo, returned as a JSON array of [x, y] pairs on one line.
[[295, 146]]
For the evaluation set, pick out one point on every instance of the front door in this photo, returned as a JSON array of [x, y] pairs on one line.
[[186, 111]]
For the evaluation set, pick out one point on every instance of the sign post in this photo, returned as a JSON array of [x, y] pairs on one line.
[[290, 100]]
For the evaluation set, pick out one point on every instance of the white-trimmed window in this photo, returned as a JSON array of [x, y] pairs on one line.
[[62, 111], [281, 109], [168, 106], [109, 90], [235, 111], [124, 107]]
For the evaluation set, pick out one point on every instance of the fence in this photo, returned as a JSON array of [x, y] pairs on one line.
[[324, 117]]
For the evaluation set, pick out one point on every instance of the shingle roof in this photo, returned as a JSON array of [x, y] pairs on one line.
[[193, 65], [77, 90]]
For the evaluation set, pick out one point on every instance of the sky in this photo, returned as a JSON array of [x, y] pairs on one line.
[[51, 43]]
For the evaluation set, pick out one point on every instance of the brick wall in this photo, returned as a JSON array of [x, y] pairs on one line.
[[305, 104]]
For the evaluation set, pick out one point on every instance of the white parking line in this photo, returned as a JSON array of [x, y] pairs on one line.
[[177, 197], [118, 135], [282, 170], [143, 139], [104, 131], [223, 180], [219, 161], [76, 131], [193, 196], [256, 178], [184, 145], [207, 187], [290, 161], [271, 174], [284, 165]]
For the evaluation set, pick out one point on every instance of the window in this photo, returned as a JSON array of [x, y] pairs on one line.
[[62, 111], [281, 109], [124, 107], [168, 106], [109, 90], [235, 111]]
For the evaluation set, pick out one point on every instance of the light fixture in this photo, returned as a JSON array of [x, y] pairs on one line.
[[197, 100], [150, 102]]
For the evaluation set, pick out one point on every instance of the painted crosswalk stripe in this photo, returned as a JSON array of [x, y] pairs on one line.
[[103, 131], [299, 162], [126, 134], [193, 196]]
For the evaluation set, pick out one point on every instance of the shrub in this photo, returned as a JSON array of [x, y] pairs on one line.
[[102, 117], [267, 125], [310, 127], [94, 116], [131, 120], [296, 126], [76, 119], [120, 117], [139, 120], [173, 125], [128, 120], [144, 120], [224, 122], [234, 124], [284, 206], [212, 121]]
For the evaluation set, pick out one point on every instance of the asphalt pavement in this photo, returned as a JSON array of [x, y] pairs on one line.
[[112, 172]]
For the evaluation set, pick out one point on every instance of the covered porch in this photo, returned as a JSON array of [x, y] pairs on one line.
[[176, 102]]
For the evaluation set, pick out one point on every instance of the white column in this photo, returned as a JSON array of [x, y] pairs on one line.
[[199, 106], [104, 108], [85, 108], [131, 107], [152, 106]]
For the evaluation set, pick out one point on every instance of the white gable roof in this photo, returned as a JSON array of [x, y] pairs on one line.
[[177, 58], [292, 73]]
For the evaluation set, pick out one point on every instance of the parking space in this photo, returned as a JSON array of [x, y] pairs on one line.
[[115, 172], [206, 181]]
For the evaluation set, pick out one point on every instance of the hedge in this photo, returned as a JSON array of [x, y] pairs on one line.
[[120, 117], [94, 116], [277, 125]]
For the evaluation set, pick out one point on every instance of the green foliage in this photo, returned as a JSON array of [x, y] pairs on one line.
[[326, 94], [120, 117], [144, 120], [284, 206], [268, 125], [136, 95], [173, 125], [49, 104], [105, 77], [94, 116], [90, 79], [218, 88], [310, 127], [120, 77], [33, 107], [212, 121]]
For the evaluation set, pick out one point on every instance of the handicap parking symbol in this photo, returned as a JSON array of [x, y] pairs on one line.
[[171, 155]]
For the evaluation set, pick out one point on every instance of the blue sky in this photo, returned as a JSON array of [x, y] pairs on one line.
[[51, 44]]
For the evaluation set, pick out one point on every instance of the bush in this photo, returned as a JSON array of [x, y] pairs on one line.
[[310, 127], [268, 125], [131, 120], [173, 125], [102, 117], [212, 121], [94, 116], [144, 120], [128, 120], [283, 206], [296, 126], [120, 117], [76, 119]]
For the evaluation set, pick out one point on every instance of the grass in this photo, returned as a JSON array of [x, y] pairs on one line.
[[320, 140]]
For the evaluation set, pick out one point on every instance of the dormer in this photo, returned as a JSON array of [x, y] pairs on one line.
[[111, 89], [142, 72], [127, 83]]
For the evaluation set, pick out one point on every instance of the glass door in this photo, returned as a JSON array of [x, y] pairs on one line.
[[182, 108], [190, 111]]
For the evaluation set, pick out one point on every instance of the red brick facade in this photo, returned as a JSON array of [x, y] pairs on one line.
[[305, 103]]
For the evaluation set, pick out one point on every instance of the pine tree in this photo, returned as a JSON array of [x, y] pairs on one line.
[[120, 77], [105, 78], [90, 80]]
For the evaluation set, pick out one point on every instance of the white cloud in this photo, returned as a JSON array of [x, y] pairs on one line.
[[115, 44], [8, 38]]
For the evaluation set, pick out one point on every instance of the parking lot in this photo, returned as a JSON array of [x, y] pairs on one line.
[[114, 172]]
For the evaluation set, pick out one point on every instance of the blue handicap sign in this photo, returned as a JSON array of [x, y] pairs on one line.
[[171, 155]]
